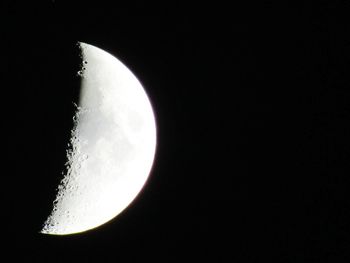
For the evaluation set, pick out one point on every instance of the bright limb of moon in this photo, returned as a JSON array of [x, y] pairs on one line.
[[111, 150]]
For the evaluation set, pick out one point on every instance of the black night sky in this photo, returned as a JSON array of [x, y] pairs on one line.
[[253, 110]]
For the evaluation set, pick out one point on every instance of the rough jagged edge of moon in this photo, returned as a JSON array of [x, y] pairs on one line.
[[74, 161]]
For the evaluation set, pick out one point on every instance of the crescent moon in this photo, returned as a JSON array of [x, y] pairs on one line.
[[111, 150]]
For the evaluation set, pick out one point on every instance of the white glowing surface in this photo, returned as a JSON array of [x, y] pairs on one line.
[[113, 146]]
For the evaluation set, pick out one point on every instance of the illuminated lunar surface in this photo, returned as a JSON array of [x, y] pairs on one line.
[[112, 147]]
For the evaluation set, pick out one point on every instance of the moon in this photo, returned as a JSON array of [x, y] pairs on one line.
[[111, 150]]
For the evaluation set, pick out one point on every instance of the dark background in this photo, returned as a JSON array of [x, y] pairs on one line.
[[252, 105]]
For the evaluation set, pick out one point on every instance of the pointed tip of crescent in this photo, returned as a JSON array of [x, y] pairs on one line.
[[82, 44]]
